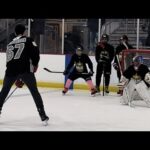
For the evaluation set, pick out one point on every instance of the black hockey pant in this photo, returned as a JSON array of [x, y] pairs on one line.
[[30, 80], [106, 69]]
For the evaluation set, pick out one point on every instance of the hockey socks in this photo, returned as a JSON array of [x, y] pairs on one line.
[[90, 84], [67, 85]]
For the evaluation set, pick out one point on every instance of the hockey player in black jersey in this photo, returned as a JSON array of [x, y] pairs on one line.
[[78, 62], [22, 62], [104, 55], [123, 45], [136, 82]]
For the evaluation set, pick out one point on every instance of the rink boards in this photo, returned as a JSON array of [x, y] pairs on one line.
[[57, 63]]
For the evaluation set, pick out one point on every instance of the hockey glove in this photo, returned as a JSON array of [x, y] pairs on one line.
[[35, 69], [65, 72], [19, 83]]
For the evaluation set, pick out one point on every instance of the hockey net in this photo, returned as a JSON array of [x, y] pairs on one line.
[[127, 57]]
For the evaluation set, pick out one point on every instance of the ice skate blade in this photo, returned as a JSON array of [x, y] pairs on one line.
[[45, 123]]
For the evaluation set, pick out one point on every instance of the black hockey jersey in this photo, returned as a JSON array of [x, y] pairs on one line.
[[104, 53], [132, 73], [79, 63], [21, 52]]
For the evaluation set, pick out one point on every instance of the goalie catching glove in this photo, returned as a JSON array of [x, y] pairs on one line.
[[19, 83]]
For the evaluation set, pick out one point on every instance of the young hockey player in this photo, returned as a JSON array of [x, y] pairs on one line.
[[136, 82], [104, 55], [78, 62], [22, 52]]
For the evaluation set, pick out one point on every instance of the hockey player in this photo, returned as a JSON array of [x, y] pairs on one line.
[[78, 62], [22, 52], [118, 56], [136, 82], [104, 55]]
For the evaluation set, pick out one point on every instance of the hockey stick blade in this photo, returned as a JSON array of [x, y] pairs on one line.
[[52, 71]]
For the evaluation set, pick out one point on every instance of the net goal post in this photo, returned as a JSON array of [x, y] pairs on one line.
[[127, 57]]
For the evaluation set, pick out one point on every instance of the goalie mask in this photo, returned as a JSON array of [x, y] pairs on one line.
[[137, 60]]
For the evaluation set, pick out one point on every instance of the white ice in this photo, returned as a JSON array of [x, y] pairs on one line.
[[76, 111]]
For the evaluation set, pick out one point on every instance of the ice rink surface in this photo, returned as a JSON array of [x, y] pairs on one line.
[[76, 111]]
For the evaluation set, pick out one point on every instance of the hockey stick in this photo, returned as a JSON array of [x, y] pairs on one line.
[[10, 94], [125, 45], [103, 80], [63, 72], [117, 56], [52, 71]]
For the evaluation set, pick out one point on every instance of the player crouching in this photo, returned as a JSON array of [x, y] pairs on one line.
[[78, 62], [136, 82]]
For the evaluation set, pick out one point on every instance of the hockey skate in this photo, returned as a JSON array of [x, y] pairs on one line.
[[106, 90], [45, 119], [120, 92], [93, 92], [98, 90], [43, 116], [65, 91]]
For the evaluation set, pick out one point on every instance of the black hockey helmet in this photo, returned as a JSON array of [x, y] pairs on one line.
[[20, 29], [124, 37], [105, 36], [79, 51]]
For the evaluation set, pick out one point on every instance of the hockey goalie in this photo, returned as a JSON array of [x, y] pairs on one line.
[[136, 82]]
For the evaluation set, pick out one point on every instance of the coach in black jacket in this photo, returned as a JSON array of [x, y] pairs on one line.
[[104, 55]]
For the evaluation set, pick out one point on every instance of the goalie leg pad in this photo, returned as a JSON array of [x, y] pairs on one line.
[[125, 98], [143, 91], [128, 93]]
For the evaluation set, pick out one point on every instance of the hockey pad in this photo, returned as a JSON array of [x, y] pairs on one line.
[[125, 98], [143, 91], [147, 78], [129, 93]]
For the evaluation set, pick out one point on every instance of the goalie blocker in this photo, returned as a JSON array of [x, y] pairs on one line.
[[136, 82]]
